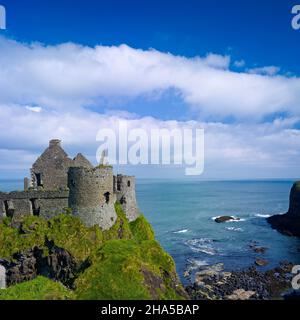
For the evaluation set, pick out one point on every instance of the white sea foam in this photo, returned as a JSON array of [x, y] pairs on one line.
[[262, 215], [195, 263], [181, 231], [203, 245], [234, 229]]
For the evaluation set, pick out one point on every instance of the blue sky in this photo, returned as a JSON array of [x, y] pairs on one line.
[[258, 31], [232, 66]]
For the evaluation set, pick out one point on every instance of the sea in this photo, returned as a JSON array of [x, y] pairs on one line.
[[182, 213]]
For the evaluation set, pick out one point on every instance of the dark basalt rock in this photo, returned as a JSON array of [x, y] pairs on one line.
[[261, 262], [257, 249], [58, 265], [289, 223], [224, 219], [262, 285]]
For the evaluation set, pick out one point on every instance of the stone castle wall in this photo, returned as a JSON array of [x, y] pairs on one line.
[[43, 203], [51, 167], [50, 171], [59, 182], [124, 187], [92, 196]]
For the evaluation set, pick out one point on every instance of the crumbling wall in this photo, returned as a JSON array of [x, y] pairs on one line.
[[50, 171], [21, 207], [81, 161], [43, 203], [124, 187]]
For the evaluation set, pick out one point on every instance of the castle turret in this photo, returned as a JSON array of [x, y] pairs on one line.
[[91, 195], [124, 187]]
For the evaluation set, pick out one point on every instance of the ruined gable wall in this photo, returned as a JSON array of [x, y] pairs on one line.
[[53, 166]]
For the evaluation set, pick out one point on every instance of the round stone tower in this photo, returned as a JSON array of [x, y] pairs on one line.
[[91, 195]]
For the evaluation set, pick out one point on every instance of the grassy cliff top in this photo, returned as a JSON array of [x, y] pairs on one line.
[[125, 262], [297, 185], [38, 289]]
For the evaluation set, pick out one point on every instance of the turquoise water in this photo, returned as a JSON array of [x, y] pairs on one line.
[[181, 213]]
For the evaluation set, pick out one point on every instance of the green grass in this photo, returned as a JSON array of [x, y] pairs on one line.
[[297, 185], [141, 229], [39, 288], [121, 229], [119, 271], [65, 230]]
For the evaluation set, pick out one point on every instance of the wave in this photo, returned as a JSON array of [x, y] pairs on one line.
[[237, 219], [262, 215], [203, 245], [181, 231], [196, 263], [234, 229]]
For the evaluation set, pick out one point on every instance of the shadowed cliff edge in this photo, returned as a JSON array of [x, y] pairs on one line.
[[289, 223]]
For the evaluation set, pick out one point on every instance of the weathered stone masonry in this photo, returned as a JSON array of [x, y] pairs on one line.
[[33, 202], [59, 182], [91, 195], [124, 187]]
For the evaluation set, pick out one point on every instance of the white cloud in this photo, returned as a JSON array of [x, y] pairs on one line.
[[72, 76], [217, 61], [34, 109], [269, 70], [239, 63], [231, 150], [44, 91]]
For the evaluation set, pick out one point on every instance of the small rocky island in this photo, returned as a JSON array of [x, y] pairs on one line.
[[289, 223], [76, 232]]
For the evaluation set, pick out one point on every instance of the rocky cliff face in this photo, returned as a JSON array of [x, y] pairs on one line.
[[294, 209], [289, 223], [57, 265]]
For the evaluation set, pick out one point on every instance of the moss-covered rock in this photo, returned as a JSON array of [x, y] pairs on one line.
[[141, 229], [66, 231], [121, 229], [125, 269], [124, 262]]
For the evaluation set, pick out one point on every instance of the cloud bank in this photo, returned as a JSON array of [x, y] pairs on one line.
[[69, 76], [61, 91]]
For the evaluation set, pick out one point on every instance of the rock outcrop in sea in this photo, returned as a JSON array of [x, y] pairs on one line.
[[289, 223]]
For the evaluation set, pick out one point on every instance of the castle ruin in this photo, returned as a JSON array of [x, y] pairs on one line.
[[60, 184]]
